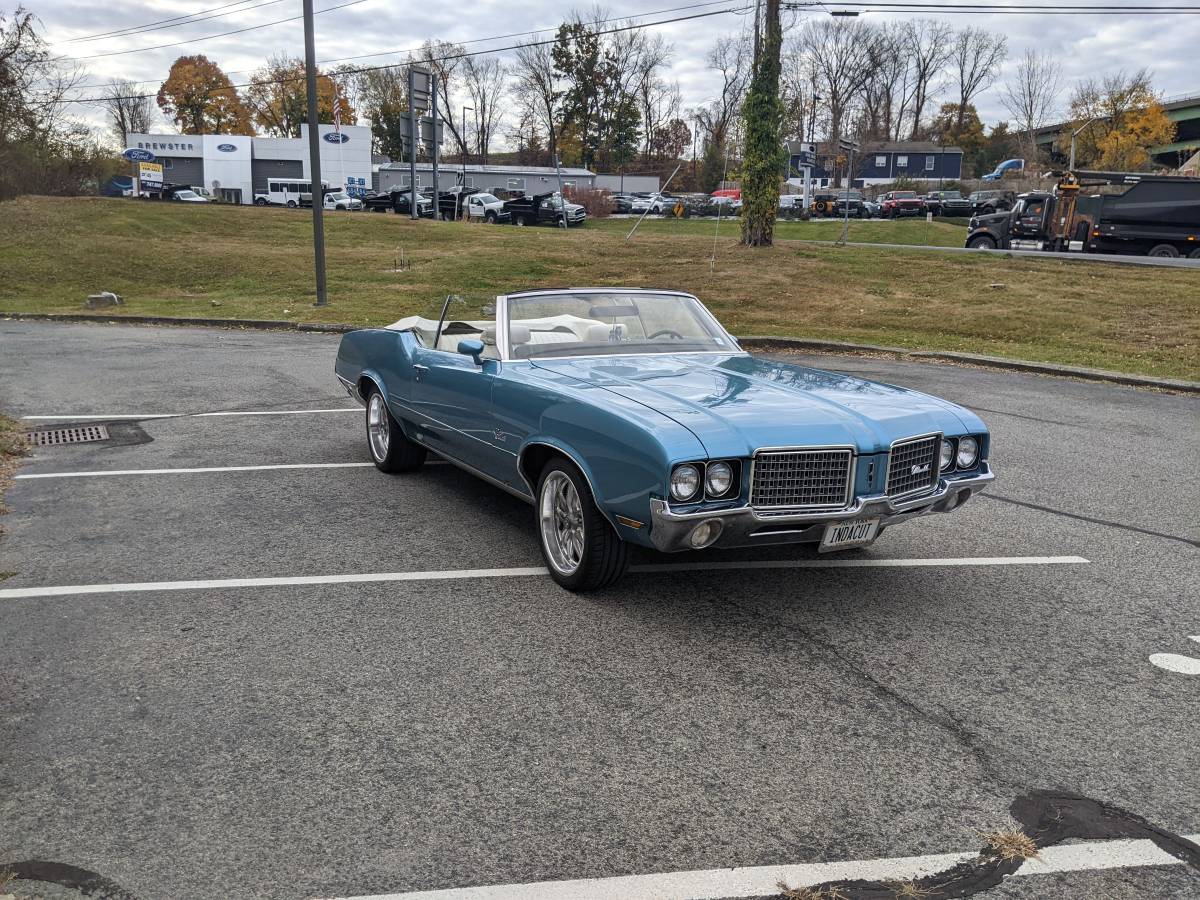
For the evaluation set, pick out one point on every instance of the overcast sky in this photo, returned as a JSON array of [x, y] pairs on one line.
[[1087, 45]]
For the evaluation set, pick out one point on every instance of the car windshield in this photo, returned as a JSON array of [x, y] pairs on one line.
[[186, 195], [338, 195], [951, 195], [905, 195], [611, 324], [486, 198]]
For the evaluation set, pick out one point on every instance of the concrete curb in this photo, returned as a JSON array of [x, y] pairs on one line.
[[763, 342], [760, 342]]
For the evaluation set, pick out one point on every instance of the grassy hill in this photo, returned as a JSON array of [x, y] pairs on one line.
[[183, 260]]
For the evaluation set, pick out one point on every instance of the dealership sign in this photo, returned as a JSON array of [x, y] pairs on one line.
[[136, 154], [336, 137], [150, 174], [227, 148]]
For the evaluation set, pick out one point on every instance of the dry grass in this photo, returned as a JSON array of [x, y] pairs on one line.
[[1010, 845], [177, 260], [909, 890], [812, 893], [12, 447]]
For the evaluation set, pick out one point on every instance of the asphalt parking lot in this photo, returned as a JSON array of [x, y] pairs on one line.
[[227, 712]]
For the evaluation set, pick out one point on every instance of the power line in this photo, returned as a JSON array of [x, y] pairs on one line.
[[210, 36], [496, 37], [167, 23]]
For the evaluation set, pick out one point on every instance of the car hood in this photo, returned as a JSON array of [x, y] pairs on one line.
[[736, 403]]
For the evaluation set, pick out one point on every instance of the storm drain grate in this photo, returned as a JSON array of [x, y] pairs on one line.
[[72, 434]]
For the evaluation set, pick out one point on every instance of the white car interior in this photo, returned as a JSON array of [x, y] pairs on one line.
[[563, 329]]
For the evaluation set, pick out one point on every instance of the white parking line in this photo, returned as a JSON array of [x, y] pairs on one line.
[[250, 412], [1175, 662], [760, 881], [102, 472], [455, 574]]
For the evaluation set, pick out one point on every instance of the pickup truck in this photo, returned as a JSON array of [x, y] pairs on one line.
[[986, 202], [485, 207], [948, 203], [544, 209], [398, 199], [900, 203]]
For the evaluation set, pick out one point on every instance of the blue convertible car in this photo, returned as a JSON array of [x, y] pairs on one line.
[[632, 417]]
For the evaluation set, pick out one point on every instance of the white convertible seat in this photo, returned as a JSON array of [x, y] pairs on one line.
[[552, 337]]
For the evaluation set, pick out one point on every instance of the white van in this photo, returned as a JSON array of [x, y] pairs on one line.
[[291, 192]]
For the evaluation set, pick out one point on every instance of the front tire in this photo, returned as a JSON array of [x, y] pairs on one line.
[[260, 201], [1195, 254], [390, 448], [580, 548], [490, 218], [982, 242]]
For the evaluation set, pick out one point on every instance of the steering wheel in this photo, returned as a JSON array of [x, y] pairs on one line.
[[675, 335]]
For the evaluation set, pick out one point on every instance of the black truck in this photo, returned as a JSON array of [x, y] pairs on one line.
[[1159, 215], [544, 209], [399, 200]]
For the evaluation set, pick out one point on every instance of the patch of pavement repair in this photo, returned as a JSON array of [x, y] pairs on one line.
[[1046, 818], [120, 434], [39, 879]]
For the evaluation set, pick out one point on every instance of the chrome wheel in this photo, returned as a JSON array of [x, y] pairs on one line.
[[561, 515], [378, 427]]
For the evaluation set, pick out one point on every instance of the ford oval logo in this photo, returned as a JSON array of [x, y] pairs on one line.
[[136, 154], [227, 148], [335, 137]]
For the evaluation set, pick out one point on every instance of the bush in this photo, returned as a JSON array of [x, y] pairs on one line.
[[598, 203]]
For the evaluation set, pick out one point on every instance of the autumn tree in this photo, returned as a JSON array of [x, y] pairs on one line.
[[538, 92], [278, 99], [1127, 119], [730, 59], [383, 98], [484, 79], [952, 127], [200, 99]]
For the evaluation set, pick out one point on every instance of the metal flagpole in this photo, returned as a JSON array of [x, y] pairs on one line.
[[314, 153]]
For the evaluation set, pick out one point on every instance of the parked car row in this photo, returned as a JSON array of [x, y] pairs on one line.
[[479, 205]]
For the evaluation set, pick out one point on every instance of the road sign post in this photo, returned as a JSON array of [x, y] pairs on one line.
[[420, 91]]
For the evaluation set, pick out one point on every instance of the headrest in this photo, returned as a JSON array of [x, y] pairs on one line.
[[518, 334], [599, 334]]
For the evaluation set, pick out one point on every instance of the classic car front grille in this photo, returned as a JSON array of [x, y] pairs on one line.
[[801, 478], [913, 465]]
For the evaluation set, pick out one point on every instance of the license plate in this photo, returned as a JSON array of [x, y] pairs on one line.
[[855, 533]]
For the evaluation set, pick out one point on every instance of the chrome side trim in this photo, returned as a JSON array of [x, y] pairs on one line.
[[426, 416], [484, 476]]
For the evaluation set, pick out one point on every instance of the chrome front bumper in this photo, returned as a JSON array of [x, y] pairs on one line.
[[746, 527]]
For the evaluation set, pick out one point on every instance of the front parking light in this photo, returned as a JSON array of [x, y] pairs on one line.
[[705, 533], [968, 452]]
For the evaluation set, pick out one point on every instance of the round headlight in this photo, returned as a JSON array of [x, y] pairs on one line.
[[685, 482], [718, 479], [968, 452], [947, 454]]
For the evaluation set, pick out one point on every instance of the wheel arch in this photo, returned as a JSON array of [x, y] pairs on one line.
[[536, 454]]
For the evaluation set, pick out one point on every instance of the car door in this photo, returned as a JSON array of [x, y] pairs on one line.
[[452, 394]]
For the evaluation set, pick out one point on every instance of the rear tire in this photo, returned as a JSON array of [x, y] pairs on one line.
[[982, 242], [260, 201], [580, 548], [1195, 254], [1164, 251], [390, 448], [291, 204]]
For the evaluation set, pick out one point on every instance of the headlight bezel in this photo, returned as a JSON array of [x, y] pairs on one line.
[[972, 459], [697, 490], [946, 459], [717, 465]]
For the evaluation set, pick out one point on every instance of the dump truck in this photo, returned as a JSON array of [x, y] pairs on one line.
[[1159, 215]]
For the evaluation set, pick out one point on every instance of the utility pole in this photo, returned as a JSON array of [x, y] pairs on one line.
[[463, 186], [314, 153], [1076, 133]]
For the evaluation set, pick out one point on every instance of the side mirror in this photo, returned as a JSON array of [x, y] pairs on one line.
[[473, 349]]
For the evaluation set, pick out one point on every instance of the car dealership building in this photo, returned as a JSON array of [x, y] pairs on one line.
[[236, 167]]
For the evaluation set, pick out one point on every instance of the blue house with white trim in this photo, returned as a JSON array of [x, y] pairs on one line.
[[883, 163]]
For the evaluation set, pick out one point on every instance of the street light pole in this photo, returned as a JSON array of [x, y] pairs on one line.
[[463, 186], [316, 191], [1078, 131]]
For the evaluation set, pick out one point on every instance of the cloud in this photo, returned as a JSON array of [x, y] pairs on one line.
[[1086, 46]]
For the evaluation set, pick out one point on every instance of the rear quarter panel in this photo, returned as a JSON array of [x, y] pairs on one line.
[[381, 355]]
